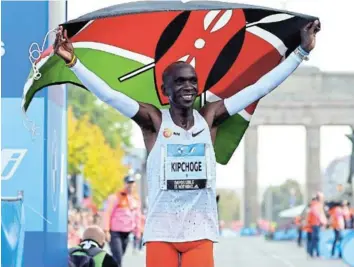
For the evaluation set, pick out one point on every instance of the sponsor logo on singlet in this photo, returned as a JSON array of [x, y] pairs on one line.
[[167, 133]]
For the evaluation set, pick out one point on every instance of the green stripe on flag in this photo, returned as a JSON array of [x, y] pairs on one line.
[[228, 137]]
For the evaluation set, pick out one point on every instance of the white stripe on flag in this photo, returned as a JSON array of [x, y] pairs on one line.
[[270, 38], [105, 48], [244, 114], [210, 97]]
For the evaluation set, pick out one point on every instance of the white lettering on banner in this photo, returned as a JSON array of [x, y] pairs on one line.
[[10, 161]]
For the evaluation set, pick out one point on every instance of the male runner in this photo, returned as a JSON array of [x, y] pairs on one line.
[[182, 223]]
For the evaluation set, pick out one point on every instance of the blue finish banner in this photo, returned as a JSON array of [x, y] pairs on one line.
[[34, 162], [22, 158], [22, 170]]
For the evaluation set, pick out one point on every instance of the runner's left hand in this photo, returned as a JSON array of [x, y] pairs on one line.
[[308, 35]]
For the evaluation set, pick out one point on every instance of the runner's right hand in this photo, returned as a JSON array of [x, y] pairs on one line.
[[62, 45]]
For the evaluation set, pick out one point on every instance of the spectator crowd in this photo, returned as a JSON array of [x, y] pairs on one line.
[[319, 215]]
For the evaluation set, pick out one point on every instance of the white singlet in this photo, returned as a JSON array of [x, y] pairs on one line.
[[181, 172]]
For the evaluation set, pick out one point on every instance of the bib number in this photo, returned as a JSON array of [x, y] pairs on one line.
[[185, 167]]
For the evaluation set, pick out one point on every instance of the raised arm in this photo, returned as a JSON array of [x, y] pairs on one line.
[[219, 111], [141, 113]]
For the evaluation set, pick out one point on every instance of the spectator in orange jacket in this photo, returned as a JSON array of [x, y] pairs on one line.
[[337, 224], [317, 219], [308, 229]]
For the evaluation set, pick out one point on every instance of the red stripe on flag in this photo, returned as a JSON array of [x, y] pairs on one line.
[[256, 58], [45, 53], [138, 33]]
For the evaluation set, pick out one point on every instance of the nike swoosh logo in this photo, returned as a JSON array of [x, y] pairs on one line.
[[195, 134]]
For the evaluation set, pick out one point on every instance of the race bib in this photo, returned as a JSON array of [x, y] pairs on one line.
[[185, 167]]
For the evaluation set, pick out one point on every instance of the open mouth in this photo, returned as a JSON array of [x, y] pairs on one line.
[[188, 97]]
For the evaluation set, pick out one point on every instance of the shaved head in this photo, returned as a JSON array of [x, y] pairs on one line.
[[94, 232], [168, 72], [180, 84]]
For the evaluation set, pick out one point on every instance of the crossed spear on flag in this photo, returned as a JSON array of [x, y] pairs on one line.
[[223, 19]]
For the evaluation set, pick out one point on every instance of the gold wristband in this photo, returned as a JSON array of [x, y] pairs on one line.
[[72, 62]]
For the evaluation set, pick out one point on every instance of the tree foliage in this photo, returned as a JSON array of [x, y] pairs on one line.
[[229, 205], [115, 127], [279, 198], [90, 154]]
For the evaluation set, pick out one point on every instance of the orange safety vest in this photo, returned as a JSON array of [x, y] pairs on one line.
[[123, 201], [337, 219], [315, 210], [307, 227]]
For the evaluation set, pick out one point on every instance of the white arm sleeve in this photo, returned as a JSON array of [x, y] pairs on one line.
[[124, 104], [263, 86]]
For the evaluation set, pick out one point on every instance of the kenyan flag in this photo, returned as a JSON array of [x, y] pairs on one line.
[[231, 46]]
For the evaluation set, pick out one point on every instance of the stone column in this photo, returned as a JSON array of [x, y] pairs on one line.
[[313, 167], [351, 167], [251, 206]]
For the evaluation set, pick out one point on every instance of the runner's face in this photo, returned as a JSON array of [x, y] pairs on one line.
[[182, 87]]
